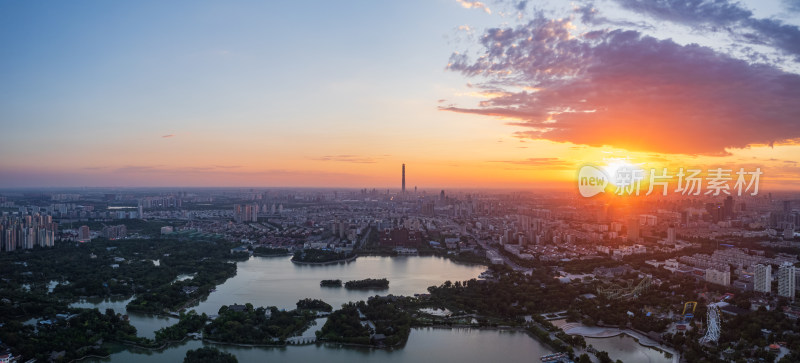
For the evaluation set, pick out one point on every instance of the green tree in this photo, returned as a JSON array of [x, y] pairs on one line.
[[209, 355]]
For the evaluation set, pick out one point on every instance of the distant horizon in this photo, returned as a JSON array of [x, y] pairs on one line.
[[571, 188], [380, 189]]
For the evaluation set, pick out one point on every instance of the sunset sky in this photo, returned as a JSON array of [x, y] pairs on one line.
[[340, 94]]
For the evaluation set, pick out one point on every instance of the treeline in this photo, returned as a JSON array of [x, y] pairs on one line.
[[367, 284], [267, 251], [388, 314], [245, 324], [512, 295], [319, 256], [77, 336], [468, 257], [187, 323], [90, 269], [314, 304], [209, 355], [344, 326], [86, 270], [331, 283], [174, 296]]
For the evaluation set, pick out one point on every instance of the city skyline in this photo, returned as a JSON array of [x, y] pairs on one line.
[[410, 181], [474, 95]]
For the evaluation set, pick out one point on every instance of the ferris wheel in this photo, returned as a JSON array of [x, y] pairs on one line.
[[713, 326]]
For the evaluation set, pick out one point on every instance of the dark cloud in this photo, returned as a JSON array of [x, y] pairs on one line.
[[719, 15], [792, 5], [589, 15], [168, 136], [621, 88]]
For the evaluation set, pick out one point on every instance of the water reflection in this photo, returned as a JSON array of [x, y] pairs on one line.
[[265, 281], [627, 349], [424, 345], [145, 324], [271, 281]]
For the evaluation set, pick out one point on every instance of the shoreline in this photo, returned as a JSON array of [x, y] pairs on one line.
[[340, 345], [424, 254], [639, 337], [248, 345], [279, 255], [90, 356], [128, 344], [349, 259]]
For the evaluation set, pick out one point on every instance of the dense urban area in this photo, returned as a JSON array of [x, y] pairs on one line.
[[698, 278]]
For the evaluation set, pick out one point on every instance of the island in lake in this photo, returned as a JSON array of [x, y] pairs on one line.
[[331, 283], [367, 284]]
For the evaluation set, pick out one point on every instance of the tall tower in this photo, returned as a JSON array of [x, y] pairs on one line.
[[404, 178]]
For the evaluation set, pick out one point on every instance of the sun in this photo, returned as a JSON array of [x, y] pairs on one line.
[[615, 166]]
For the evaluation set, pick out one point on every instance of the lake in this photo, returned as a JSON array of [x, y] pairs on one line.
[[627, 349], [424, 345], [146, 324], [276, 281]]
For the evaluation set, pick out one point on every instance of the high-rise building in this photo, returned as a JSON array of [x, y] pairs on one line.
[[786, 280], [46, 238], [27, 230], [115, 232], [671, 235], [788, 233], [10, 240], [718, 277], [245, 212], [728, 207], [404, 178], [633, 229], [84, 233], [762, 280]]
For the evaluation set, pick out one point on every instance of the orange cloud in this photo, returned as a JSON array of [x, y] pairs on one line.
[[627, 90]]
